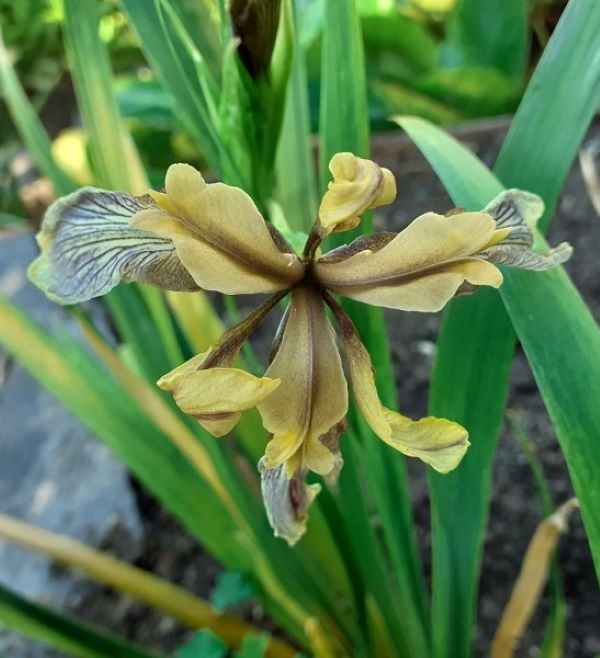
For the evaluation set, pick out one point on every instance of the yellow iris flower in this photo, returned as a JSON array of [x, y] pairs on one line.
[[198, 235]]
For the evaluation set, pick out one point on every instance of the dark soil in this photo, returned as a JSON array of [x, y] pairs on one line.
[[515, 509]]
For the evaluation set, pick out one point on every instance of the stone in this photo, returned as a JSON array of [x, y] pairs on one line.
[[53, 472]]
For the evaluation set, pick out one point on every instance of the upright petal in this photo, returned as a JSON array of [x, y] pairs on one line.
[[520, 211], [220, 236], [88, 247], [286, 500], [312, 397], [358, 184], [435, 441], [421, 268]]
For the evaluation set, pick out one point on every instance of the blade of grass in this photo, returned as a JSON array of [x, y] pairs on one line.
[[65, 369], [116, 163], [143, 316], [30, 128], [470, 381], [63, 633], [160, 594], [296, 184], [344, 127], [176, 68]]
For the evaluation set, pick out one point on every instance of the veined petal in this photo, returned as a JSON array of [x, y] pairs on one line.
[[437, 442], [520, 211], [219, 234], [286, 500], [88, 247], [216, 396], [313, 395], [421, 268], [358, 184]]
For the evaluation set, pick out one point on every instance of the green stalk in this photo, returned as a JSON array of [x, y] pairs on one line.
[[344, 127]]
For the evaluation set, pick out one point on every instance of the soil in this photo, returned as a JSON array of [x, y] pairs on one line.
[[515, 510]]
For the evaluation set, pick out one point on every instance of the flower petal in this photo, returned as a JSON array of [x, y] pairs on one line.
[[421, 268], [313, 395], [358, 184], [520, 212], [220, 236], [216, 396], [88, 247], [438, 442], [207, 387], [286, 500]]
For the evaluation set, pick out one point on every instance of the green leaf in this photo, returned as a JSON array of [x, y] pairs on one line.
[[178, 64], [394, 36], [476, 91], [114, 158], [67, 370], [398, 97], [253, 646], [296, 185], [470, 381], [30, 128], [231, 589], [63, 633], [204, 644], [489, 34]]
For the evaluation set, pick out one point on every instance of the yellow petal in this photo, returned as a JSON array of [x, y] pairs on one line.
[[358, 184], [421, 268], [167, 382], [313, 395], [219, 235], [215, 396], [437, 442]]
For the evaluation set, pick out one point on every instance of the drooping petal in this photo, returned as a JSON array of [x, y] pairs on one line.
[[313, 395], [520, 211], [219, 234], [438, 442], [358, 184], [421, 268], [88, 247], [217, 396], [208, 388], [286, 500]]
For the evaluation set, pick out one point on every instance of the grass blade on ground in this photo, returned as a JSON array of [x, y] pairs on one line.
[[158, 593], [61, 632]]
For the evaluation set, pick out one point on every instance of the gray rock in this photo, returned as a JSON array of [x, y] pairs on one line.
[[53, 472]]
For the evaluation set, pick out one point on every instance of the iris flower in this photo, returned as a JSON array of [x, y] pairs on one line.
[[198, 235]]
